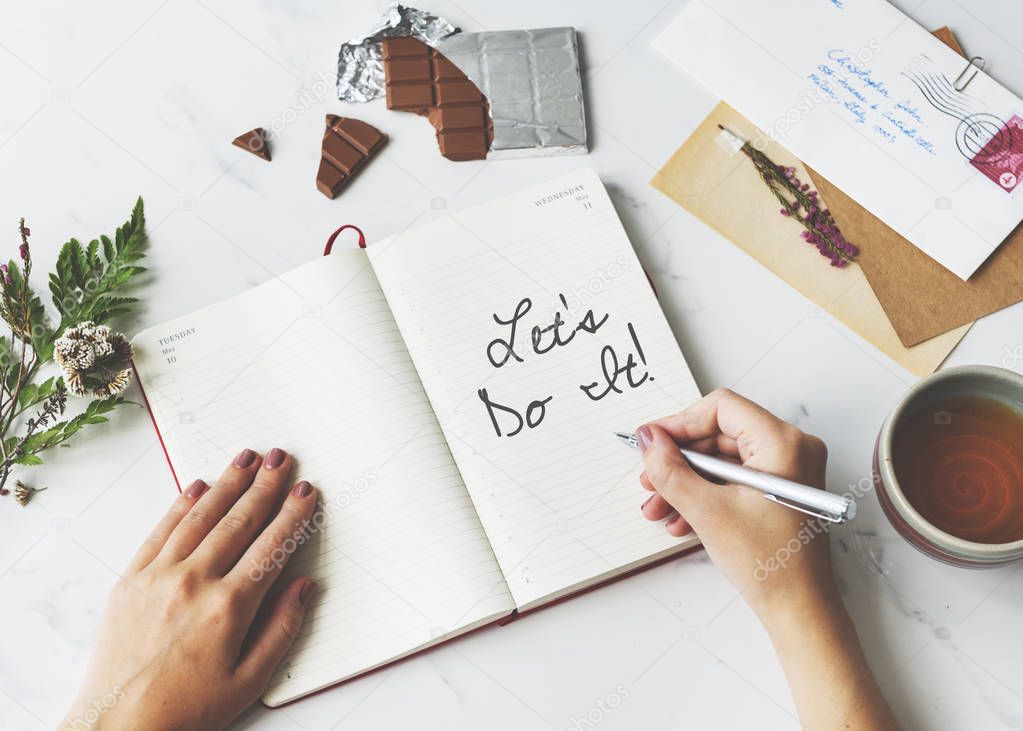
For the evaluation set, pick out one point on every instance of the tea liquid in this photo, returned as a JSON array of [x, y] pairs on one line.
[[959, 461]]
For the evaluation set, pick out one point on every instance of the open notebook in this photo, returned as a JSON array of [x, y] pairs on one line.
[[453, 392]]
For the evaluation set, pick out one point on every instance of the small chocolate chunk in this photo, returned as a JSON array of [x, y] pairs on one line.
[[254, 141], [420, 80], [348, 144]]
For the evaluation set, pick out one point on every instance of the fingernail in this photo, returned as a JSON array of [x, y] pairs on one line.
[[308, 592], [644, 437], [196, 489], [275, 458], [645, 502], [244, 458], [303, 489]]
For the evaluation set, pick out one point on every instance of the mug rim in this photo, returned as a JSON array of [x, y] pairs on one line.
[[972, 550]]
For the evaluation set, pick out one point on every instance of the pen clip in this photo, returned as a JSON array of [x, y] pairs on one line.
[[803, 509]]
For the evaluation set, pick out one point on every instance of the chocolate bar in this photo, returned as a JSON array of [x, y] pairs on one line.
[[421, 80], [254, 141], [360, 69], [533, 83], [348, 144]]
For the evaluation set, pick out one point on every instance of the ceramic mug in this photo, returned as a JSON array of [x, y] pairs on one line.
[[989, 382]]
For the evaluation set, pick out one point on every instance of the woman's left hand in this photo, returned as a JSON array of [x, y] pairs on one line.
[[192, 632]]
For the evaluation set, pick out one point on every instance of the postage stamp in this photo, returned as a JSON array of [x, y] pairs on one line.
[[1001, 158]]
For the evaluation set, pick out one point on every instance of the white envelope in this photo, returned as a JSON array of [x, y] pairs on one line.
[[860, 92]]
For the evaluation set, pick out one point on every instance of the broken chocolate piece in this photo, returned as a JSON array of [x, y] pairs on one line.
[[420, 80], [254, 141], [348, 144]]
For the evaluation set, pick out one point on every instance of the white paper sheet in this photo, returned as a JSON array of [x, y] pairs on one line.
[[555, 492], [860, 92], [312, 361]]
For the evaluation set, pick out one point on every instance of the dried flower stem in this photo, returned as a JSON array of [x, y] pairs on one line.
[[23, 493], [53, 407], [803, 205]]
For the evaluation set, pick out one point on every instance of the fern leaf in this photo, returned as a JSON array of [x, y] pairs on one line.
[[86, 278]]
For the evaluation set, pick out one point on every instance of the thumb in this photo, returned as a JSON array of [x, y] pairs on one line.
[[669, 472]]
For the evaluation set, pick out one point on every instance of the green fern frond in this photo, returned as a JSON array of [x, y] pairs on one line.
[[87, 276]]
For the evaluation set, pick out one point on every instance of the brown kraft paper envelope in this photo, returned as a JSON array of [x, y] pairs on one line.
[[720, 186], [921, 297]]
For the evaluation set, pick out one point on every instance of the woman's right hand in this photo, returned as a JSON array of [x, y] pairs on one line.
[[779, 558], [774, 555]]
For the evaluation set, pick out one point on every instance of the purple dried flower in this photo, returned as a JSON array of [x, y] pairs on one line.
[[804, 205], [23, 251]]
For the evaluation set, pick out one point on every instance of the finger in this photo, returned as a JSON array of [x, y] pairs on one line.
[[199, 521], [263, 561], [725, 412], [273, 635], [645, 482], [232, 536], [669, 472], [678, 526], [158, 538], [715, 444], [656, 508], [728, 445]]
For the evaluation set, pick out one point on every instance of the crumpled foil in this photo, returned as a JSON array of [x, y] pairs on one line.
[[360, 67], [533, 82]]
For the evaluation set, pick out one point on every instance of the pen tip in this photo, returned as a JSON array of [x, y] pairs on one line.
[[623, 436]]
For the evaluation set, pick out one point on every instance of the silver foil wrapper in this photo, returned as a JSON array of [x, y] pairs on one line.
[[360, 68], [533, 82]]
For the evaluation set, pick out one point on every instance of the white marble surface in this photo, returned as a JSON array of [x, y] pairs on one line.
[[104, 101]]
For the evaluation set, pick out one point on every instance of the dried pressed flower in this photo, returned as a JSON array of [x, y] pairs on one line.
[[94, 358], [23, 493], [802, 204]]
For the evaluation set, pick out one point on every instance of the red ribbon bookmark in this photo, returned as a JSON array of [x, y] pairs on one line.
[[333, 237]]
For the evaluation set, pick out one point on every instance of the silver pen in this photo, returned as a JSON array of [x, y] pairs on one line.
[[810, 500]]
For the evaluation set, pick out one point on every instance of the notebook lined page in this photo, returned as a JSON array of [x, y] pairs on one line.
[[313, 362], [557, 493]]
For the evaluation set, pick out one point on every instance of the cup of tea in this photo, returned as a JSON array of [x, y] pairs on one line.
[[948, 466]]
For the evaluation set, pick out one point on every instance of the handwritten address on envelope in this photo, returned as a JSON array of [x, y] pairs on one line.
[[882, 109]]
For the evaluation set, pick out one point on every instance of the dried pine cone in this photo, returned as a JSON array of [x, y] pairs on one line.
[[94, 358]]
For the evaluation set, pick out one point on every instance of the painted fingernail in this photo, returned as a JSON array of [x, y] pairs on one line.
[[644, 437], [275, 458], [303, 489], [244, 458], [308, 592], [645, 502], [196, 489]]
